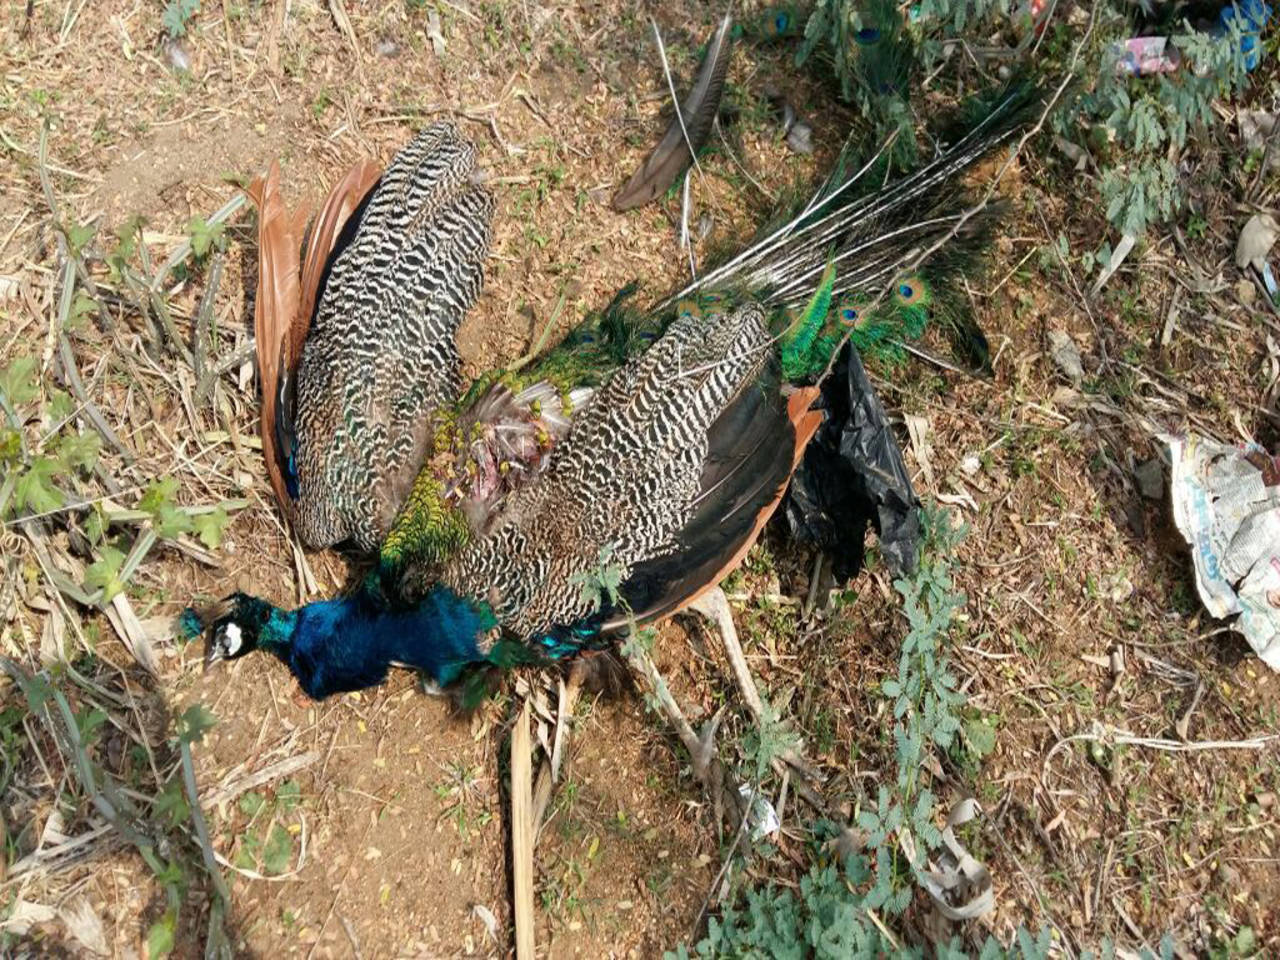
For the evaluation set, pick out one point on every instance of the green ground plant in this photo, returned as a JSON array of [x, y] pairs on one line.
[[1137, 129], [178, 15], [857, 880], [167, 829]]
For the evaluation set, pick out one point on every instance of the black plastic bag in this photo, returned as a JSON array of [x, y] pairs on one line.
[[853, 476]]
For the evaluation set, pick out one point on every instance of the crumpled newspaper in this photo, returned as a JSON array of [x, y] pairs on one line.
[[1226, 503], [959, 884]]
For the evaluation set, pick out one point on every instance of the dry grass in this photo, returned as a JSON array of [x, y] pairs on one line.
[[385, 814]]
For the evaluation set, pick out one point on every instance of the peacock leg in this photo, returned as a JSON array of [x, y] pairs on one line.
[[714, 605], [711, 773]]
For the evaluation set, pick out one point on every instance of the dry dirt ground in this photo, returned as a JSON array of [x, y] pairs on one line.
[[384, 828]]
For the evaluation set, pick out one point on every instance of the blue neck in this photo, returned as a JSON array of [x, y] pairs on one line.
[[349, 643]]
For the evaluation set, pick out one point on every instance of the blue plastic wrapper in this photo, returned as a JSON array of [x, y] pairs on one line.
[[1253, 16]]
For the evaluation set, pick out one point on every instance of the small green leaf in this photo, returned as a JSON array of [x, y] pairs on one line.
[[172, 804], [10, 446], [172, 875], [166, 519], [160, 937], [209, 526], [35, 490], [288, 796], [127, 237], [18, 381], [158, 495], [61, 405], [171, 523], [251, 803], [37, 690], [82, 306], [96, 524], [176, 15], [204, 236], [1246, 942], [88, 723], [193, 723], [250, 847], [278, 853], [79, 450], [104, 573], [79, 235], [980, 737]]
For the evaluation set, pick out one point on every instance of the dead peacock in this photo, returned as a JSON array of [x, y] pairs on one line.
[[644, 454]]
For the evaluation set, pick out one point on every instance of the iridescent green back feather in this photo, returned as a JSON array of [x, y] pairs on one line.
[[427, 530]]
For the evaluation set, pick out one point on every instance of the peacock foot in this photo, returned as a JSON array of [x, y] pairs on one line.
[[714, 605]]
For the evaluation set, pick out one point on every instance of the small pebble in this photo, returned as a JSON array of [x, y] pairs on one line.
[[179, 59], [1150, 477], [1066, 355]]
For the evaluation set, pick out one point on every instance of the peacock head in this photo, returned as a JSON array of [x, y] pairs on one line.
[[236, 625]]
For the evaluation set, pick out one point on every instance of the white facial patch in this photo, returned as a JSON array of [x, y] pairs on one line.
[[232, 638]]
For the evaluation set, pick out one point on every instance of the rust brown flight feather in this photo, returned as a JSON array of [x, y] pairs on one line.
[[805, 421], [276, 305], [288, 285], [343, 200]]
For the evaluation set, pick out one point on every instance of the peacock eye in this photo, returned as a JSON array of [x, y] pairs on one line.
[[588, 338], [904, 290], [849, 314], [868, 35], [780, 22]]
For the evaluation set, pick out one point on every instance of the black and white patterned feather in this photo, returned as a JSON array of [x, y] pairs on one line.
[[381, 354], [628, 476]]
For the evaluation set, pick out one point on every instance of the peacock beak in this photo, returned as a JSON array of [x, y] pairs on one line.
[[212, 654]]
